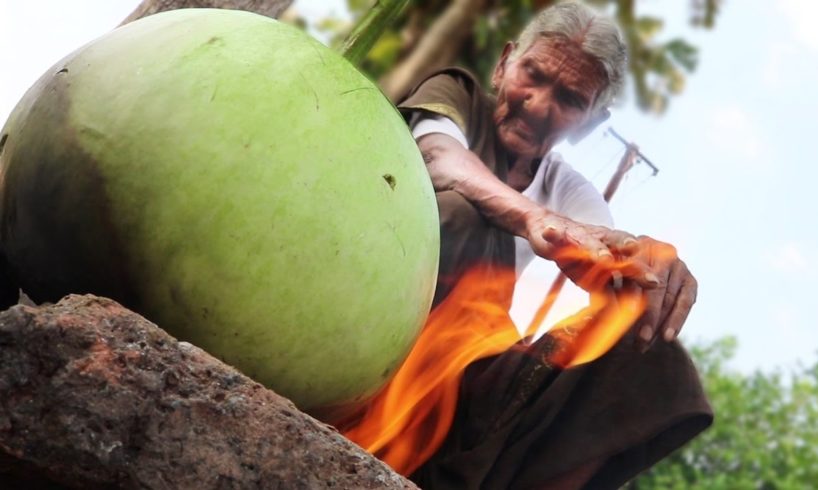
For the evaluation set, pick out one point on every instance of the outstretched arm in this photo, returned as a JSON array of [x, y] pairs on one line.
[[575, 247], [591, 256]]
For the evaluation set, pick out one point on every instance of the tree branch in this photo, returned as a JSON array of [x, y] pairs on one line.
[[437, 49]]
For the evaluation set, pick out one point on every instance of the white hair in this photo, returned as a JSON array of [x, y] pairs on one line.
[[597, 35]]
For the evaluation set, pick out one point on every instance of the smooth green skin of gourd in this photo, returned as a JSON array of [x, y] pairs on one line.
[[239, 184]]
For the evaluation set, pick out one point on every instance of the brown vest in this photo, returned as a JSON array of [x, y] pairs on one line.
[[467, 239]]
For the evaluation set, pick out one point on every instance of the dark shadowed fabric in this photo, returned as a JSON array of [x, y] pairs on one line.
[[520, 421]]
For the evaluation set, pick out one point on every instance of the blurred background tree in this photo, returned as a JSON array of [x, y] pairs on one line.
[[431, 34], [765, 435]]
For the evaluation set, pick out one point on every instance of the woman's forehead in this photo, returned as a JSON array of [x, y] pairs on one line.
[[558, 54]]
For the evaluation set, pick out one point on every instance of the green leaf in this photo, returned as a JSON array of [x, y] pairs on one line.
[[648, 27], [683, 53]]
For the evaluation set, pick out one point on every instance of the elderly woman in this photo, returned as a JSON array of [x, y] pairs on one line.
[[498, 182]]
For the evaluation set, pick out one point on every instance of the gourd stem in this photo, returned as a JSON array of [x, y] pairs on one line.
[[367, 31]]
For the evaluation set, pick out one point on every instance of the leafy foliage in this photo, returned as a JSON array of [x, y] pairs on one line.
[[765, 435], [657, 68]]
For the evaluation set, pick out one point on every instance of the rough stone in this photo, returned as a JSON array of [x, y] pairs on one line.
[[94, 396]]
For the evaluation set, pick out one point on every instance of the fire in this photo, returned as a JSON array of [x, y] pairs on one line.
[[409, 419]]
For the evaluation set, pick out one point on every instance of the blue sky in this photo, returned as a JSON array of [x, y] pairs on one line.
[[736, 191]]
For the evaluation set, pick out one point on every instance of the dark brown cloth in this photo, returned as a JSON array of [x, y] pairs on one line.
[[520, 421]]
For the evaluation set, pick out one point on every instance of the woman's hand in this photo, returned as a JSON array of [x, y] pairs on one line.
[[587, 254], [595, 257], [668, 304]]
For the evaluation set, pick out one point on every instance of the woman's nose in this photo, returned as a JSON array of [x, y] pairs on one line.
[[539, 103]]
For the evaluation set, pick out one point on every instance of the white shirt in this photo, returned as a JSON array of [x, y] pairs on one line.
[[556, 186]]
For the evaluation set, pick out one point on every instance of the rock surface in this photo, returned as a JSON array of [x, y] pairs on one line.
[[94, 396]]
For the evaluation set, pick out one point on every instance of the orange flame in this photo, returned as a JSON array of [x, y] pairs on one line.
[[409, 419]]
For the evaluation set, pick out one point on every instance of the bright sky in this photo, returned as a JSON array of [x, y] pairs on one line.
[[735, 191]]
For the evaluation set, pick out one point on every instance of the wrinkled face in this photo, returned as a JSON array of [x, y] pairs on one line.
[[544, 95]]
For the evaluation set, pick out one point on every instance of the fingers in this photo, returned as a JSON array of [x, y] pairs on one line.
[[643, 259], [633, 257], [639, 272], [677, 309], [649, 321], [621, 242], [590, 256], [596, 258], [668, 308], [554, 234], [673, 286]]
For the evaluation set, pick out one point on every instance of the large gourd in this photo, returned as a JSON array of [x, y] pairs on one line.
[[239, 184]]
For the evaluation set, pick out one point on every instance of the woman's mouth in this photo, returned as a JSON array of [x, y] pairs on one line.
[[521, 129]]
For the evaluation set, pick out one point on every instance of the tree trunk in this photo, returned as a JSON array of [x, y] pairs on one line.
[[95, 396], [435, 50], [270, 8]]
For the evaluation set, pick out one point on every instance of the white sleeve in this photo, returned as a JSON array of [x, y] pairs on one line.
[[427, 124], [563, 190], [575, 197], [585, 204], [566, 192]]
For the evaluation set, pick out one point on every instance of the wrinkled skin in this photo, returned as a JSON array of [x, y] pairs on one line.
[[544, 95]]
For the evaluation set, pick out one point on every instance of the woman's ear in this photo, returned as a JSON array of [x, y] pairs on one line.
[[500, 67], [597, 118]]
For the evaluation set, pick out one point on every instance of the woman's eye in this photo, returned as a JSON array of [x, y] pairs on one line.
[[572, 100], [532, 73]]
